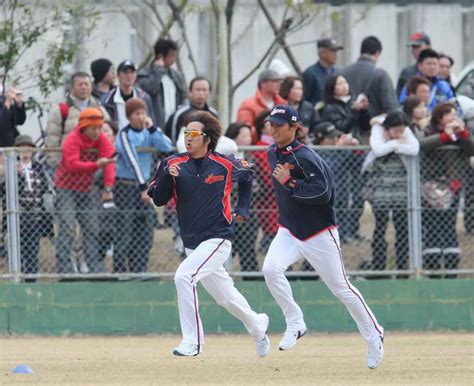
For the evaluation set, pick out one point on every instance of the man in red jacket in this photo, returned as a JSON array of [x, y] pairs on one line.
[[266, 97], [85, 150]]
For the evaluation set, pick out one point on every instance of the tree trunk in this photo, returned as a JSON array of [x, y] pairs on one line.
[[223, 65]]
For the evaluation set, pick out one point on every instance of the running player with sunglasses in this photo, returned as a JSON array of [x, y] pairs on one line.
[[201, 182], [305, 191]]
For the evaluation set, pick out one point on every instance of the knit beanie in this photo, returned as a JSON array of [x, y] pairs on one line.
[[90, 116], [100, 68], [134, 104]]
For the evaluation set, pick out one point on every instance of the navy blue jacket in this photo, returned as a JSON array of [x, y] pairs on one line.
[[306, 201], [202, 191]]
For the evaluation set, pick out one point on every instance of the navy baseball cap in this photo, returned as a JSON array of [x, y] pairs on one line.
[[282, 114]]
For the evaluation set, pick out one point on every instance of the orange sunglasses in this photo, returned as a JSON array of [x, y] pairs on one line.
[[193, 133]]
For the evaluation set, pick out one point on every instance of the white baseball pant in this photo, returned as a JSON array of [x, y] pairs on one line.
[[323, 252], [205, 264]]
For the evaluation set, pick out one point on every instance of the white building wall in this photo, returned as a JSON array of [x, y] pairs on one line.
[[115, 38]]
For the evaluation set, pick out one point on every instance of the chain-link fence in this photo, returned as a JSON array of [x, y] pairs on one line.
[[397, 216]]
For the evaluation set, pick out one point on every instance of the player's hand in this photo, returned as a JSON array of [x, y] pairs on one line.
[[238, 217], [174, 170], [281, 174]]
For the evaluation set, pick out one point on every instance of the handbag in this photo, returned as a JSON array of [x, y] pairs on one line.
[[437, 194]]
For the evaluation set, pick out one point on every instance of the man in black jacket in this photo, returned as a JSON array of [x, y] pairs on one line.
[[164, 84], [12, 113]]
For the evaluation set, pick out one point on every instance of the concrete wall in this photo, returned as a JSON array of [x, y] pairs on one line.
[[449, 26]]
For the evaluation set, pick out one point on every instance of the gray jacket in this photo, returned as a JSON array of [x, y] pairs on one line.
[[149, 79], [364, 77]]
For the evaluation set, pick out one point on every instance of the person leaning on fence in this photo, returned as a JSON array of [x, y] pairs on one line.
[[64, 116], [246, 232], [85, 150], [391, 142], [135, 222], [443, 172], [32, 186]]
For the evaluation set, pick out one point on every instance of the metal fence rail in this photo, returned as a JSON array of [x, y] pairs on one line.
[[386, 222]]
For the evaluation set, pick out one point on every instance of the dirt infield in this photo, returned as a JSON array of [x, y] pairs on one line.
[[424, 358]]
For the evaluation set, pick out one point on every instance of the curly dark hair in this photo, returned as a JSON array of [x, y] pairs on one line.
[[212, 127]]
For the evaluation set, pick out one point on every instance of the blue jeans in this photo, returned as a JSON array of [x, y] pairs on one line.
[[71, 206], [135, 226]]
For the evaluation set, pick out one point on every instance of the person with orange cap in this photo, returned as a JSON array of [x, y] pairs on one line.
[[85, 150]]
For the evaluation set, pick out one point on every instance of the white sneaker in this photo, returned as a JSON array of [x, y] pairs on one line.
[[187, 350], [290, 337], [263, 345], [375, 354]]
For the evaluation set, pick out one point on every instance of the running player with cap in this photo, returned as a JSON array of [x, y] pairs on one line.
[[304, 189]]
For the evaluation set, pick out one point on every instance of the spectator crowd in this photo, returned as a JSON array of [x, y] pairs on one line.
[[114, 127]]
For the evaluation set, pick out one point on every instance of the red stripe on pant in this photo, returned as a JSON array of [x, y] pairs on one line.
[[196, 311], [350, 287], [197, 317]]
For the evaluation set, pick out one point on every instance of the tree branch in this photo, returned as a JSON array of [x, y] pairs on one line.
[[255, 68], [177, 16], [281, 36]]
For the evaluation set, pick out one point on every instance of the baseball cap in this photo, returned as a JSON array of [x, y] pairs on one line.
[[326, 130], [330, 44], [126, 65], [269, 74], [282, 114], [418, 38]]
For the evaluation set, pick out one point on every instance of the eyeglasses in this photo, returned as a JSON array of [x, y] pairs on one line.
[[193, 133]]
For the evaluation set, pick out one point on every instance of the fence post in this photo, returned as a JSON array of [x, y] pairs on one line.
[[13, 215], [414, 215]]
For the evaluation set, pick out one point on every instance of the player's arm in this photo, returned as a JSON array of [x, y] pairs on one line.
[[161, 186], [316, 186], [243, 173]]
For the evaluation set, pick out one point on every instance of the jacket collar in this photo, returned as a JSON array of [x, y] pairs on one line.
[[290, 148]]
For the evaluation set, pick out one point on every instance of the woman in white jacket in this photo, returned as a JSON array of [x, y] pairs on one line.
[[391, 141]]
